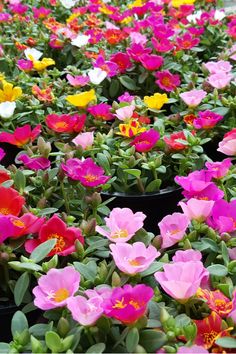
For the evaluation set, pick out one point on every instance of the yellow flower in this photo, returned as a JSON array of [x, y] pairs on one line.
[[104, 10], [136, 3], [9, 93], [43, 64], [81, 100], [127, 20], [178, 3], [156, 101], [130, 129], [72, 17], [2, 76]]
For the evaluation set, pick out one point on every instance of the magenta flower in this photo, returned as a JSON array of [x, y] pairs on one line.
[[223, 217], [26, 224], [195, 182], [6, 228], [135, 258], [172, 229], [2, 154], [87, 172], [137, 50], [167, 81], [56, 287], [206, 120], [163, 45], [34, 163], [77, 81], [214, 67], [193, 349], [126, 97], [128, 304], [21, 136], [211, 192], [219, 169], [151, 62], [181, 280], [193, 98], [233, 313], [228, 145], [146, 140], [163, 31], [101, 111], [122, 60], [186, 256], [186, 42], [220, 80], [110, 67], [25, 65], [84, 139], [121, 225], [85, 311], [197, 209]]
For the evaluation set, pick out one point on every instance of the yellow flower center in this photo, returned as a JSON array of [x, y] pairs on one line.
[[134, 304], [209, 338], [60, 242], [120, 234], [134, 262], [90, 178], [61, 125], [4, 211], [61, 294], [119, 304], [18, 223]]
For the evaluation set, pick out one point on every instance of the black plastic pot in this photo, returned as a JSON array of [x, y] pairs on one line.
[[11, 152], [210, 150], [6, 313], [154, 205]]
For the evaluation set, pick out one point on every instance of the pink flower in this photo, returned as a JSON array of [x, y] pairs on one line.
[[163, 45], [109, 67], [193, 349], [34, 163], [151, 61], [28, 223], [219, 169], [84, 139], [126, 97], [122, 60], [167, 81], [186, 256], [6, 228], [146, 140], [78, 81], [65, 123], [218, 66], [133, 259], [125, 113], [25, 65], [41, 12], [163, 31], [138, 38], [206, 120], [56, 287], [186, 42], [172, 228], [21, 136], [181, 280], [85, 311], [2, 154], [122, 224], [228, 145], [87, 172], [101, 111], [220, 80], [211, 192], [193, 98], [128, 304], [197, 209], [233, 313], [195, 182], [137, 50], [223, 217]]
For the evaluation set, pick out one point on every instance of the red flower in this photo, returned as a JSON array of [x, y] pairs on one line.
[[216, 301], [11, 201], [55, 228], [4, 176], [172, 142], [65, 123], [21, 136], [114, 36]]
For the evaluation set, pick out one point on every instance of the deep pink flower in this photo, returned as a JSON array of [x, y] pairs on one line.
[[126, 97], [167, 81], [181, 280], [163, 31], [219, 169], [151, 61], [187, 255], [65, 123], [135, 258], [122, 60], [195, 182], [193, 98], [56, 287], [128, 304], [137, 50], [220, 80], [233, 313], [206, 120], [77, 81], [186, 42], [41, 12], [101, 111], [109, 67], [25, 65], [228, 145], [232, 28], [197, 209], [87, 172], [28, 223], [18, 8], [2, 154], [223, 217], [21, 136], [122, 224], [6, 228], [163, 45], [211, 192], [172, 229], [146, 140], [34, 163], [85, 311], [214, 67]]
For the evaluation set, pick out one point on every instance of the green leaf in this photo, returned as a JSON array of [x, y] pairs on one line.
[[19, 323], [154, 267], [25, 266], [103, 162], [96, 348], [88, 270], [4, 348], [133, 172], [96, 245], [40, 252], [127, 82], [39, 330], [53, 342], [221, 110], [21, 287], [47, 211], [132, 340], [152, 340], [153, 186], [20, 181], [182, 320], [226, 342], [225, 253], [218, 270], [114, 88]]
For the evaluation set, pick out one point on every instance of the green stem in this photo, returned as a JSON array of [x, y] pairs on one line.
[[67, 205]]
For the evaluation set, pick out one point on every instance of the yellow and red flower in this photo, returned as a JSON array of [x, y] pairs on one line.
[[216, 301]]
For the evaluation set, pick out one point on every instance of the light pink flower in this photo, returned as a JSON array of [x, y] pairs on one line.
[[193, 98], [77, 81], [135, 258], [218, 66], [181, 280], [172, 228], [121, 225], [219, 169], [220, 80], [193, 349], [228, 145], [138, 38], [84, 139], [85, 311], [56, 287], [197, 209], [186, 256], [125, 113]]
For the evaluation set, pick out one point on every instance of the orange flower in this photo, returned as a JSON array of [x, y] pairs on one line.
[[216, 301], [44, 95]]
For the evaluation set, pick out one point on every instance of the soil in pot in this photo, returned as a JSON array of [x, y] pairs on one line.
[[154, 205], [11, 152]]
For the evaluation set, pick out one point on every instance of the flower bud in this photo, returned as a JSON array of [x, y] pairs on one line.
[[79, 249], [63, 327], [115, 279], [50, 264], [164, 315]]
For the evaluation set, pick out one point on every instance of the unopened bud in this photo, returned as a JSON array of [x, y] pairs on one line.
[[115, 279], [63, 327]]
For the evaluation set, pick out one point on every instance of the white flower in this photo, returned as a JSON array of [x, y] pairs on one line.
[[32, 53], [194, 17], [80, 40], [68, 4], [7, 109], [219, 15], [97, 75]]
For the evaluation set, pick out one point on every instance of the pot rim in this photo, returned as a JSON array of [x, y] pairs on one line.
[[164, 191]]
